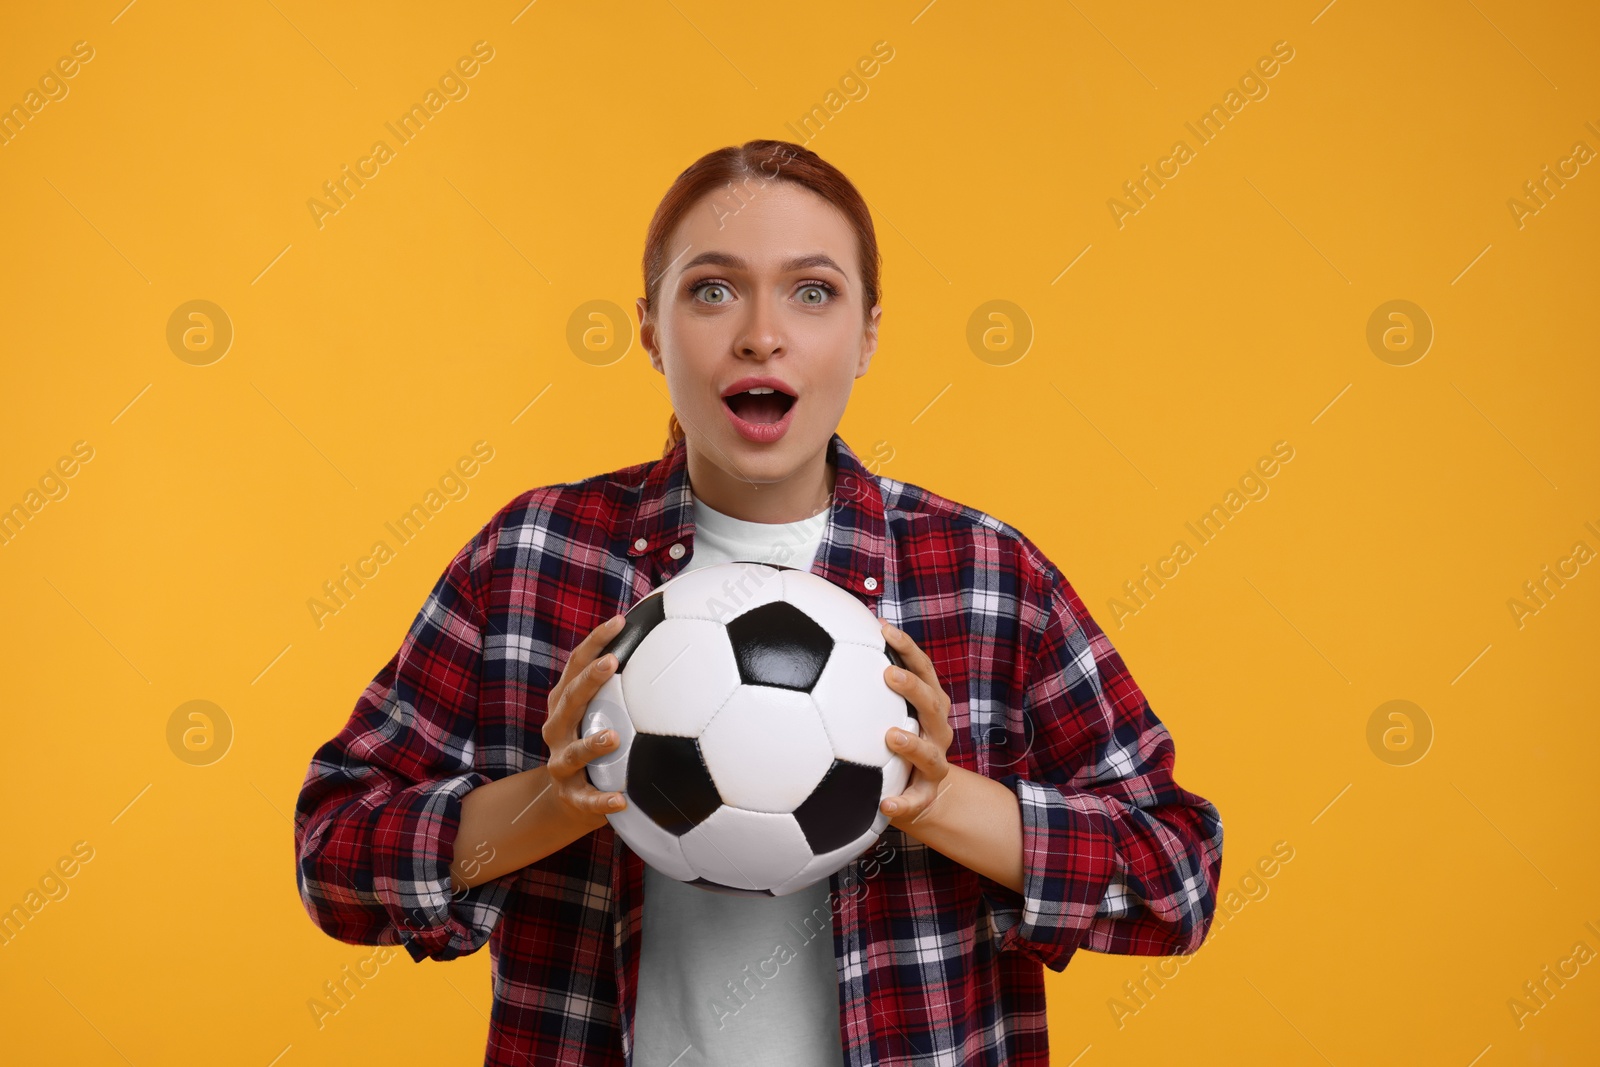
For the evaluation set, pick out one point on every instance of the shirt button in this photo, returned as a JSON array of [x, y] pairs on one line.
[[871, 583], [641, 544], [676, 551]]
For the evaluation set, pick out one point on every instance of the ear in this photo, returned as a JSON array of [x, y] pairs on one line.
[[647, 334], [869, 340]]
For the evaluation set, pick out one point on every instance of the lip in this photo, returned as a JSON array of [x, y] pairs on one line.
[[756, 383]]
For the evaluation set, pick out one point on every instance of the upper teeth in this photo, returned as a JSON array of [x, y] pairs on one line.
[[760, 389]]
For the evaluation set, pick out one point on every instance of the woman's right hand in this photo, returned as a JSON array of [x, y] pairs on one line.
[[581, 678]]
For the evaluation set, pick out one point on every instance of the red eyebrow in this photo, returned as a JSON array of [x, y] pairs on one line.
[[733, 262]]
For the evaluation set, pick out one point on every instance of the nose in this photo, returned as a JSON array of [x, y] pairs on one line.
[[762, 336]]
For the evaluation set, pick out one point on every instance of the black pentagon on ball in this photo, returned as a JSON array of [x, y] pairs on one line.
[[640, 619], [669, 781], [731, 890], [842, 806], [779, 645]]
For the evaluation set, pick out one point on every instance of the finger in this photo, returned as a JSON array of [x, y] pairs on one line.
[[577, 694], [933, 796], [910, 805], [587, 797], [921, 667], [919, 752], [916, 660], [925, 694], [588, 649], [585, 671], [578, 754], [928, 699], [599, 636]]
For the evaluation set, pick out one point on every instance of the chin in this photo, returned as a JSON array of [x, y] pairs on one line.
[[766, 463], [784, 453]]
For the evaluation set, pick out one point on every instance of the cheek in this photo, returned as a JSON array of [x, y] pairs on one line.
[[822, 410], [688, 393], [688, 351]]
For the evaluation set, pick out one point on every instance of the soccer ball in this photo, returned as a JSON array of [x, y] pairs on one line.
[[750, 709]]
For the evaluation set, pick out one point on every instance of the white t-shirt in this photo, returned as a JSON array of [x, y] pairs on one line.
[[735, 980]]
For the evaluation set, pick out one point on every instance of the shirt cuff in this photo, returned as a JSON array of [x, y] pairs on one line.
[[412, 847], [1068, 860]]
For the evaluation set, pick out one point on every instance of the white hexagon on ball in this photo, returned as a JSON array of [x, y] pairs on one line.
[[721, 594], [760, 719], [657, 847], [679, 676], [856, 716], [824, 865], [746, 849]]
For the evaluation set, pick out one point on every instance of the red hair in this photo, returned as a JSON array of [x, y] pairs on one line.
[[736, 166]]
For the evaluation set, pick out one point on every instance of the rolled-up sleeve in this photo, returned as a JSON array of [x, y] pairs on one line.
[[378, 813], [1116, 856]]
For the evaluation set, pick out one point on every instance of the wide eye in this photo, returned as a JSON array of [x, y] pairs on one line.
[[715, 287], [822, 292]]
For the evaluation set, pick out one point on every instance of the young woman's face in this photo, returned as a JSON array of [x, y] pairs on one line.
[[763, 285]]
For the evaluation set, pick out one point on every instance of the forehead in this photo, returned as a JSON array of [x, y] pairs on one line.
[[765, 223]]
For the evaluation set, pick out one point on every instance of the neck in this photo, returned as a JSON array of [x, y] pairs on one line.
[[797, 496]]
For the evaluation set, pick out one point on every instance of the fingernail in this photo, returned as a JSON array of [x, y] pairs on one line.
[[897, 674], [891, 807], [616, 802]]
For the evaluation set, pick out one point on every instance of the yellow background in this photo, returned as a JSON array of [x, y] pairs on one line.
[[1228, 314]]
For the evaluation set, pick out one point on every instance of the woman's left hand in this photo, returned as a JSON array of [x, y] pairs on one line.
[[930, 770]]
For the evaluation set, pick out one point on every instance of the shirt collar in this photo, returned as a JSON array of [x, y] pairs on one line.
[[854, 549]]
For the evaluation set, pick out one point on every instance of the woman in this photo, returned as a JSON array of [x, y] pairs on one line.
[[1041, 816]]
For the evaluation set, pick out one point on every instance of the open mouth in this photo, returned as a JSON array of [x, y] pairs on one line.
[[761, 407]]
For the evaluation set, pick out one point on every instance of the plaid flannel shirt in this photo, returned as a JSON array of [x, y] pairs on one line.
[[937, 964]]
